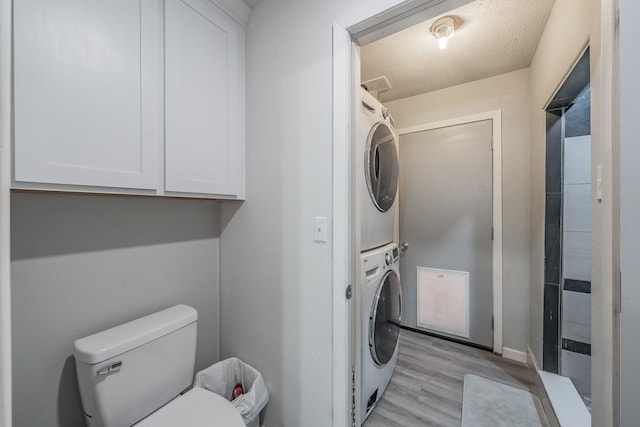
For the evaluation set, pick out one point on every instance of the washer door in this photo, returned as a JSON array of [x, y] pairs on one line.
[[381, 166], [384, 321]]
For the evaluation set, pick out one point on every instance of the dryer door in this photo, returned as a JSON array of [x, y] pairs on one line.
[[381, 166], [384, 322]]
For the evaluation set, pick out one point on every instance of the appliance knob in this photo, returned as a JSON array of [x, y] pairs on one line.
[[387, 258]]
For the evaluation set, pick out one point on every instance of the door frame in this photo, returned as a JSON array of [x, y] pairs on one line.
[[5, 184], [496, 123], [374, 19], [368, 22]]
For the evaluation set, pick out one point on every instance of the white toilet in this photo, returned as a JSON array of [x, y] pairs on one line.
[[134, 374]]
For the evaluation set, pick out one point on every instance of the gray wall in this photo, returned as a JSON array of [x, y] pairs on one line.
[[81, 264], [509, 93], [630, 212], [276, 282]]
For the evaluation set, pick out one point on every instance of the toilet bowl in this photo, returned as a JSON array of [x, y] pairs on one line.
[[138, 373]]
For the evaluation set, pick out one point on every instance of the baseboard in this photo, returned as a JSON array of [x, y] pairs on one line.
[[511, 354], [532, 361], [534, 369], [446, 337]]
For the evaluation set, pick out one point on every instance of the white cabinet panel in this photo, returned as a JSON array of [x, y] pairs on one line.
[[203, 84], [88, 82]]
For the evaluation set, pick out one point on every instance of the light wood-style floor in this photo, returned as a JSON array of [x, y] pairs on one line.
[[426, 388]]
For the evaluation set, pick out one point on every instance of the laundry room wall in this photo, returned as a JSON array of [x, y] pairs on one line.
[[81, 264], [510, 94], [276, 283]]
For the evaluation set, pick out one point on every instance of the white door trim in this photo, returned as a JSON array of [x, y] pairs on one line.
[[342, 244], [496, 120], [5, 229]]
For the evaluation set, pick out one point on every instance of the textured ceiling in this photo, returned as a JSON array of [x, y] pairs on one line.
[[251, 3], [491, 37]]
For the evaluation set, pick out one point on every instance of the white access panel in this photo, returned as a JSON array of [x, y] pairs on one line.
[[88, 92], [443, 301], [203, 99]]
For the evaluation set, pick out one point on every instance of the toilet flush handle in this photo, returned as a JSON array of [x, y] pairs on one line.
[[114, 367]]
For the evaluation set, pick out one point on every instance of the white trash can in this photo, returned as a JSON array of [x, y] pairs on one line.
[[221, 379]]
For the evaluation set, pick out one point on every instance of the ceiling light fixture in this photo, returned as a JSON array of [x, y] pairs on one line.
[[443, 30]]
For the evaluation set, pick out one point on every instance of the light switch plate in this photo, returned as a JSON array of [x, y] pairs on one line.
[[599, 183], [320, 229]]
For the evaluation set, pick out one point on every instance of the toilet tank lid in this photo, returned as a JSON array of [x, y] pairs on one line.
[[112, 342]]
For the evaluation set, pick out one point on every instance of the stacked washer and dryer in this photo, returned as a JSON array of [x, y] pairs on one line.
[[377, 142]]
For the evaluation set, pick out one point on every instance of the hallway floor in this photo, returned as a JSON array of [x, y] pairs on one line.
[[426, 388]]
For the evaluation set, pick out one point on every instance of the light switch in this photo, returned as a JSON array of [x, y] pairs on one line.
[[320, 229]]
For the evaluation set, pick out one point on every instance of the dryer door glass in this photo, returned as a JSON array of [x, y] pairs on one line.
[[384, 322], [381, 166]]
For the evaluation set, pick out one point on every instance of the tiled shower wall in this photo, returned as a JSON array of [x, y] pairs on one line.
[[552, 242], [567, 288], [576, 253]]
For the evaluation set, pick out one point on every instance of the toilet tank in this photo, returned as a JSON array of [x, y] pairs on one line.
[[127, 372]]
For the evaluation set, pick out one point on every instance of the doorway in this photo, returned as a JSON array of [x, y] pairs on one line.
[[446, 230], [568, 229], [509, 95]]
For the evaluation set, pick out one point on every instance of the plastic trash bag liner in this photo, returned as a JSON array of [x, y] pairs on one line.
[[221, 378]]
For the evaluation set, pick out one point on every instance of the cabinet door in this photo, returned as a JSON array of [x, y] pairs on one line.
[[204, 142], [88, 92]]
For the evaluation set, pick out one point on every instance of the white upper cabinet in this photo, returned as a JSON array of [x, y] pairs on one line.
[[130, 96], [88, 86], [203, 99]]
